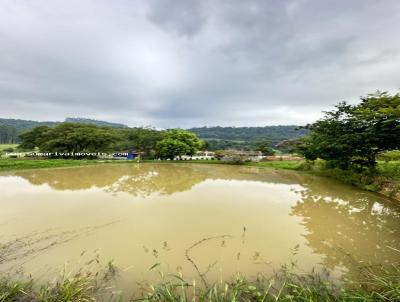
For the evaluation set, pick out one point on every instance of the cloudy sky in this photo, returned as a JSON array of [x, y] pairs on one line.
[[182, 63]]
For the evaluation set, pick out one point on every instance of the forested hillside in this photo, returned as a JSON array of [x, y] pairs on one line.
[[94, 122], [11, 128], [246, 137]]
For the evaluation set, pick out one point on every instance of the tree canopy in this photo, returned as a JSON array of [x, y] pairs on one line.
[[178, 142], [353, 135], [70, 137]]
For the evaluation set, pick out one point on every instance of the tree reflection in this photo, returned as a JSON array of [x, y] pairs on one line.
[[349, 228], [146, 179], [138, 180]]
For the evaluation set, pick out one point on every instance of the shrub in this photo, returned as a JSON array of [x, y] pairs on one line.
[[389, 155]]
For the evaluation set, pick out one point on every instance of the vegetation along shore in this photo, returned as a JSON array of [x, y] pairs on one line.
[[286, 284]]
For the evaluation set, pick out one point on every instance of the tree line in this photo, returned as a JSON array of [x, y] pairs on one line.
[[90, 138]]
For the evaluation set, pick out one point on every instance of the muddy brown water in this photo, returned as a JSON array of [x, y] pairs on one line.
[[252, 220]]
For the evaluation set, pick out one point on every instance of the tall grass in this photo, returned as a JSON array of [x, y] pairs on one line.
[[285, 285], [377, 284]]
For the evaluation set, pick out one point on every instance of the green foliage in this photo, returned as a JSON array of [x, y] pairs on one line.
[[219, 154], [8, 134], [80, 120], [290, 145], [275, 134], [383, 179], [241, 138], [278, 164], [83, 286], [178, 142], [390, 155], [287, 284], [265, 147], [353, 135], [10, 129], [69, 289], [69, 137], [73, 137], [34, 138], [246, 138], [143, 140], [11, 291], [170, 148]]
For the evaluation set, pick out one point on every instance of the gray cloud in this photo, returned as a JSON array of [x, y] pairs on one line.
[[190, 63]]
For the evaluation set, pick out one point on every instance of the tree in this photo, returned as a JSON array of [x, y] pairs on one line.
[[34, 138], [140, 139], [265, 147], [178, 142], [171, 148], [70, 137], [353, 135]]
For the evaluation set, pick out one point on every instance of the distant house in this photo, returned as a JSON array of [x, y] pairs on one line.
[[200, 155], [244, 155]]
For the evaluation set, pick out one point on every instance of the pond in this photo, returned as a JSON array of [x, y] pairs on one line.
[[223, 219]]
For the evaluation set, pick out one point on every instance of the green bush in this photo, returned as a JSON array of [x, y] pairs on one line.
[[390, 156]]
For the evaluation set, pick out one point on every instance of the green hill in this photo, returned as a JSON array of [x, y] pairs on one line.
[[11, 128], [246, 137]]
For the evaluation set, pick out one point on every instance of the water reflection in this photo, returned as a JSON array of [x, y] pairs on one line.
[[334, 224], [349, 228], [146, 179]]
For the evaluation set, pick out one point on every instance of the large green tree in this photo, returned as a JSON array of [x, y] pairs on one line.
[[70, 137], [34, 138], [353, 135], [178, 142], [140, 139]]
